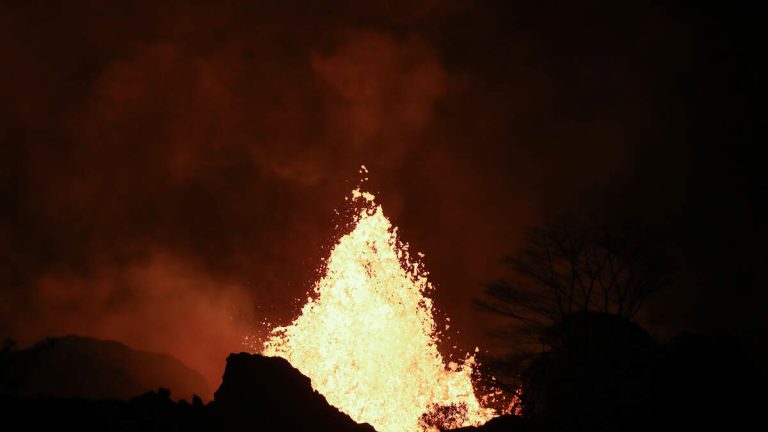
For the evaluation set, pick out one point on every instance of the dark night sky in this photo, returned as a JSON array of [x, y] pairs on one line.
[[169, 170]]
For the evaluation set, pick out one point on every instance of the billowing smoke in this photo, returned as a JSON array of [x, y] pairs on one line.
[[169, 172]]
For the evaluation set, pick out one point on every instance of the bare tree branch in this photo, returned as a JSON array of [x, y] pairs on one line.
[[562, 269]]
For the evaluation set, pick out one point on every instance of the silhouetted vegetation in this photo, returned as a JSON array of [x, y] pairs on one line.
[[612, 376], [586, 365], [567, 267], [572, 266]]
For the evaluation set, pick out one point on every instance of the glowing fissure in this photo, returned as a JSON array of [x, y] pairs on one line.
[[367, 336]]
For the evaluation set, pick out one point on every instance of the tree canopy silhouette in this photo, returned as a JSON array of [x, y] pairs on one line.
[[566, 267]]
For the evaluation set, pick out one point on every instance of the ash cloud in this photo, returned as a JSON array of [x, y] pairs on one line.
[[170, 176]]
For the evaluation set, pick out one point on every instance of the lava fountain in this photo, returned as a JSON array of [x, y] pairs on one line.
[[367, 336]]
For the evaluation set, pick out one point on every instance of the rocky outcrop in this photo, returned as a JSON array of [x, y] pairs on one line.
[[504, 423], [269, 393], [257, 393]]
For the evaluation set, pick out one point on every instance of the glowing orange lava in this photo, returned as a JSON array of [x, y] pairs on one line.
[[367, 336]]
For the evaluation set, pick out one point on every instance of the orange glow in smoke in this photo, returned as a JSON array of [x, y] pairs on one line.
[[367, 336]]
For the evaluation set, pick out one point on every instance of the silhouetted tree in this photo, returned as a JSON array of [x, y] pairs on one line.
[[575, 287], [566, 267]]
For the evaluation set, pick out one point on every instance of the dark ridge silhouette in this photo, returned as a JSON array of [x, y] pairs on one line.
[[152, 411], [705, 381], [602, 373], [504, 423], [258, 390], [595, 376], [82, 367], [605, 373], [257, 393]]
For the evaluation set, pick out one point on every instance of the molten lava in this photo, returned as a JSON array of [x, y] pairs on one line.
[[367, 336]]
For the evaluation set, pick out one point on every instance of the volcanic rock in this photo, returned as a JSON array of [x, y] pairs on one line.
[[270, 394], [504, 423]]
